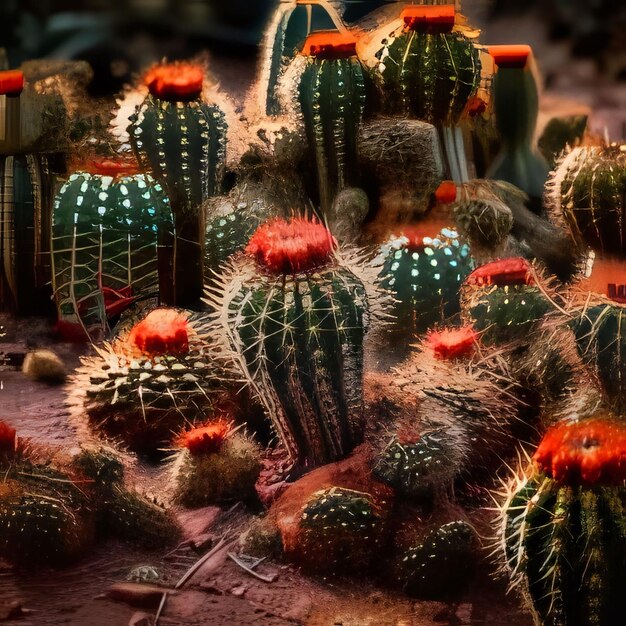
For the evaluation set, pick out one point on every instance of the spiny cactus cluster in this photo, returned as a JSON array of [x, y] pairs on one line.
[[150, 381], [294, 315], [562, 527]]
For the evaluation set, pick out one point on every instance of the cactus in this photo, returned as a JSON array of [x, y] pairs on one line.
[[516, 109], [215, 466], [110, 229], [588, 191], [150, 381], [442, 564], [294, 315], [425, 273], [332, 98], [182, 137], [562, 525]]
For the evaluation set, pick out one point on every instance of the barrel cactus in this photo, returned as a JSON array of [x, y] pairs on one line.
[[181, 136], [150, 381], [332, 96], [111, 231], [293, 313], [424, 269], [562, 525]]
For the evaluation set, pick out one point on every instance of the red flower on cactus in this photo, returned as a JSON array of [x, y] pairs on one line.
[[416, 233], [114, 167], [329, 45], [291, 246], [8, 439], [438, 18], [446, 192], [162, 331], [591, 452], [510, 55], [206, 439], [452, 343], [512, 271], [11, 82], [175, 82]]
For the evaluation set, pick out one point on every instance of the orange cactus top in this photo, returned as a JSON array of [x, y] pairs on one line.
[[329, 44], [11, 82], [449, 344], [8, 438], [511, 56], [162, 331], [511, 271], [115, 167], [206, 439], [175, 82], [440, 18]]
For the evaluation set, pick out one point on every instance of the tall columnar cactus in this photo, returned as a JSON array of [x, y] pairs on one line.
[[516, 102], [112, 234], [562, 527], [150, 382], [294, 315], [588, 189], [332, 97], [181, 136], [424, 269]]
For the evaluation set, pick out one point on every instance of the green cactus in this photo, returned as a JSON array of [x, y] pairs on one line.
[[295, 320], [182, 139], [589, 190], [425, 274], [332, 98], [109, 239], [442, 564]]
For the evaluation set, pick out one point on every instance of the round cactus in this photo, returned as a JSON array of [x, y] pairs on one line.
[[562, 527], [588, 190], [428, 70], [150, 381], [111, 229], [332, 98], [182, 137], [424, 272], [293, 315]]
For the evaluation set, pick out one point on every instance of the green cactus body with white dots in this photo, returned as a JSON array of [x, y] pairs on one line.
[[566, 545], [332, 97], [107, 234], [425, 280], [300, 339]]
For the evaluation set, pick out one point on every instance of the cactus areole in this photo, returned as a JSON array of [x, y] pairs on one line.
[[175, 82]]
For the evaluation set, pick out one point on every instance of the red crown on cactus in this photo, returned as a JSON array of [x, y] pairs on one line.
[[207, 439], [175, 82], [11, 82], [416, 233], [510, 55], [437, 18], [511, 271], [329, 44], [109, 166], [162, 331], [8, 439], [291, 246], [446, 192], [450, 344], [588, 453]]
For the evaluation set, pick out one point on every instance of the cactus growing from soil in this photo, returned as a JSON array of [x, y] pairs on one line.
[[293, 314], [332, 97], [181, 137], [215, 465], [424, 269], [562, 525], [150, 381], [111, 227]]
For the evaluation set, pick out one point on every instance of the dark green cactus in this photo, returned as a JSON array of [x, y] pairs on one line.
[[332, 98], [182, 139], [110, 236], [295, 321], [442, 564], [425, 274], [589, 190]]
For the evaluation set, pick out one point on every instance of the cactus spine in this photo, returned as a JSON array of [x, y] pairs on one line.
[[332, 98], [182, 138]]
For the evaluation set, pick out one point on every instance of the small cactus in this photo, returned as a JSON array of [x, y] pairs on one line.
[[294, 314], [562, 525], [332, 98]]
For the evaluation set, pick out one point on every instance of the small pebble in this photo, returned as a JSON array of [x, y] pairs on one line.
[[44, 366]]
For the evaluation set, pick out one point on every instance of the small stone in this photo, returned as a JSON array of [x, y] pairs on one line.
[[239, 592], [44, 366]]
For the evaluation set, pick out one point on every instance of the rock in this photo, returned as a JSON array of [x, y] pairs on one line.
[[44, 366], [141, 619], [239, 592], [138, 594]]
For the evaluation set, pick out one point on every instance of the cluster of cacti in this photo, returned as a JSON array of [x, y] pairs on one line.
[[112, 231], [294, 314], [181, 137], [331, 94], [150, 381], [215, 465], [53, 508], [424, 269], [562, 526]]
